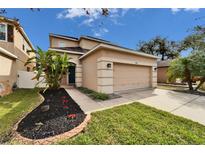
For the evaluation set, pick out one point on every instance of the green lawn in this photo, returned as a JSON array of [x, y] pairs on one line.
[[13, 107], [138, 124]]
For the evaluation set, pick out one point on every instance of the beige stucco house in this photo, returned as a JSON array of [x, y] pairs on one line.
[[14, 44], [103, 66]]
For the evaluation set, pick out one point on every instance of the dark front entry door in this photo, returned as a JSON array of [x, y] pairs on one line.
[[71, 76]]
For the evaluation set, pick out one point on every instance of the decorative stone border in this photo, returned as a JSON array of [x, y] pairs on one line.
[[52, 139]]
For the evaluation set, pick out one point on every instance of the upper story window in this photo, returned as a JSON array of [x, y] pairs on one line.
[[3, 32], [10, 32], [23, 47], [61, 44], [6, 32]]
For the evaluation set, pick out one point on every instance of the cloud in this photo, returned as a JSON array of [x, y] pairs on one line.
[[71, 13], [193, 10], [95, 18], [175, 10], [100, 32]]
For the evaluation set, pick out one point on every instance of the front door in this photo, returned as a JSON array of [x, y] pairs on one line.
[[71, 76]]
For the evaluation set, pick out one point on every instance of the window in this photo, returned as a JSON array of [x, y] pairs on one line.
[[23, 47], [3, 32], [10, 33], [61, 44]]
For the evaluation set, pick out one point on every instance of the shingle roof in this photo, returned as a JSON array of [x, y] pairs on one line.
[[95, 38], [65, 36]]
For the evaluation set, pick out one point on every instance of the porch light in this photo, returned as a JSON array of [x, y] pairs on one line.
[[109, 65]]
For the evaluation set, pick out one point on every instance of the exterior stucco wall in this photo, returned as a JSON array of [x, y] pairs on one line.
[[88, 44], [19, 41], [54, 42], [89, 69], [129, 57], [9, 68], [161, 74]]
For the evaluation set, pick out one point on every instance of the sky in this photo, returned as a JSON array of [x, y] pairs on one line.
[[125, 27]]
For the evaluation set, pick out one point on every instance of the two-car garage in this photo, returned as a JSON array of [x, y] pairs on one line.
[[127, 76], [118, 69]]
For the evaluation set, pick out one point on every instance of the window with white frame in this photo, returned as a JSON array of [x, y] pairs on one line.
[[6, 32], [2, 32]]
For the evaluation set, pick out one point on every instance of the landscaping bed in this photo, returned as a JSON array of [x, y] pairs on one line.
[[97, 95], [63, 115]]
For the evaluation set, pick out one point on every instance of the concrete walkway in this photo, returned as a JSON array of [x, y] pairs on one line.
[[88, 105], [185, 105]]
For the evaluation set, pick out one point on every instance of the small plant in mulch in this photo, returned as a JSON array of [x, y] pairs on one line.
[[63, 115], [98, 96]]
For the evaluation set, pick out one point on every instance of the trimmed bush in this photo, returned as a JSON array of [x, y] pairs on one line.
[[93, 94]]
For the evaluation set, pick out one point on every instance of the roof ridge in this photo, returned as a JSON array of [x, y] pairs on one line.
[[66, 36]]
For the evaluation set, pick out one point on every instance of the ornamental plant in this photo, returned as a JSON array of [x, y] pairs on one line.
[[50, 66]]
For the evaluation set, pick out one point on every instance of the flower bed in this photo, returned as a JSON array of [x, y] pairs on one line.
[[63, 115]]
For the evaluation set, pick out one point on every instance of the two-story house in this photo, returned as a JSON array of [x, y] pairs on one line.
[[14, 44], [103, 66]]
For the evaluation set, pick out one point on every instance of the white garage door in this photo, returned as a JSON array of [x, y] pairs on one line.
[[127, 77]]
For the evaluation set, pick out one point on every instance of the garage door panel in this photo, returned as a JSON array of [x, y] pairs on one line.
[[131, 77]]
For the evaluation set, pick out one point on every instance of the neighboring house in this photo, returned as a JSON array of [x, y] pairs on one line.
[[162, 68], [14, 44], [103, 66]]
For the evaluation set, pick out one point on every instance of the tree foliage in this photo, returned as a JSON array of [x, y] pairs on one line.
[[49, 66], [189, 69], [159, 46], [180, 68]]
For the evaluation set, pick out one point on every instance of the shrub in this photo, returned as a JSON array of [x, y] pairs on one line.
[[85, 90], [99, 96], [49, 65], [93, 94]]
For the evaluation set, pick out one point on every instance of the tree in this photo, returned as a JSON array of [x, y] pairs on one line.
[[49, 65], [189, 69], [160, 47], [197, 59], [180, 68]]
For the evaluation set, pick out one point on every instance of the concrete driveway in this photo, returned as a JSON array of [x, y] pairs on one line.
[[186, 105], [182, 104]]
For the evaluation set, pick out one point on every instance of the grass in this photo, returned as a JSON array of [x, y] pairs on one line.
[[93, 94], [138, 124], [13, 107]]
